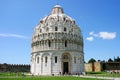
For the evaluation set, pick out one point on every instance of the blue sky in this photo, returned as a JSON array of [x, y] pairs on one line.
[[99, 21]]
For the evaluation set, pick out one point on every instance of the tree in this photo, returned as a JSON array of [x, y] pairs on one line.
[[92, 60], [99, 60], [110, 60], [103, 61], [117, 59]]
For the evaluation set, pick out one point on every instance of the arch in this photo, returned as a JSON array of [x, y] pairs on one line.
[[53, 57], [43, 55], [46, 59], [38, 60], [64, 19], [56, 59], [40, 30], [65, 43], [65, 29], [56, 28], [49, 43], [47, 29], [66, 63]]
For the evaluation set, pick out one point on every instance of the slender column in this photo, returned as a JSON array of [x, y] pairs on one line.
[[74, 45], [47, 48], [50, 60], [57, 44], [60, 66], [43, 44], [40, 46], [53, 44], [41, 64], [68, 44], [60, 44], [34, 65]]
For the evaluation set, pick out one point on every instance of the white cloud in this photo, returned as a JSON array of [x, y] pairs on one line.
[[103, 35], [90, 38], [13, 35], [107, 35], [93, 34]]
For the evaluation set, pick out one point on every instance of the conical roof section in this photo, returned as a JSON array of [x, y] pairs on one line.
[[57, 14], [57, 9]]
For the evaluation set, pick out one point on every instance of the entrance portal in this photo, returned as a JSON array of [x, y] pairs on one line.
[[66, 63], [65, 68]]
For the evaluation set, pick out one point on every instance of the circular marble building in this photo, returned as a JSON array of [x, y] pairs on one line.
[[57, 45]]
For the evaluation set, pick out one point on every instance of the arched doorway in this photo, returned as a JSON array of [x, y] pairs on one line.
[[66, 63]]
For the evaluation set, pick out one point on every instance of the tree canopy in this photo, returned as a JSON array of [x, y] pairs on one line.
[[116, 59], [92, 60]]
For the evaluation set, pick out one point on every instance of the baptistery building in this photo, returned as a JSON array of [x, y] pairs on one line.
[[57, 45]]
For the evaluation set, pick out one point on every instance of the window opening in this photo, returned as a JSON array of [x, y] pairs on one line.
[[56, 28], [65, 29], [37, 59], [55, 59], [65, 43], [46, 59], [49, 43]]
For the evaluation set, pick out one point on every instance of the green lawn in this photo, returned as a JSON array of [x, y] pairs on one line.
[[48, 78], [18, 76], [102, 74], [10, 74]]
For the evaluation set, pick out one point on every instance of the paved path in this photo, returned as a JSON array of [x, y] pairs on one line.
[[108, 78]]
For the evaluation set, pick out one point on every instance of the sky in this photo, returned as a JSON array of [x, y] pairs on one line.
[[99, 21]]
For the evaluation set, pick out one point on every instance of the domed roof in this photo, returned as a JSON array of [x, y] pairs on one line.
[[58, 18], [57, 14], [57, 26]]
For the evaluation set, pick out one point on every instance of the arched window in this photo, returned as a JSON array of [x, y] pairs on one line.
[[40, 30], [49, 43], [46, 59], [47, 29], [37, 59], [56, 28], [55, 59], [65, 43], [65, 29], [64, 19]]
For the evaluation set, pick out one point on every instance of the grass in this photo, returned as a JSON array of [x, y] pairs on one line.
[[49, 78], [10, 74], [102, 74], [18, 76]]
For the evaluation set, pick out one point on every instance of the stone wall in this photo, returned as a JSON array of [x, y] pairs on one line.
[[93, 67], [14, 68], [99, 66], [88, 67]]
